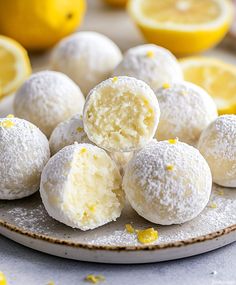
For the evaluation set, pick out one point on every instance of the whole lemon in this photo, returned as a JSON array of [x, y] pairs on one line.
[[39, 24]]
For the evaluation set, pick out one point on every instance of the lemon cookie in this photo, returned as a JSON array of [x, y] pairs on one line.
[[168, 182], [153, 64], [72, 130], [186, 110], [81, 187], [48, 98], [86, 57], [218, 145], [68, 132], [24, 153], [121, 114]]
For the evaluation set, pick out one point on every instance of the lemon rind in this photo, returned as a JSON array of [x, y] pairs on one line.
[[226, 17], [23, 66]]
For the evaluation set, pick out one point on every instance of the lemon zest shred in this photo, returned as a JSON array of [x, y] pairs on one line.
[[147, 236], [92, 208], [129, 228], [166, 85], [7, 124], [150, 54], [143, 236], [79, 130], [83, 150], [145, 102], [94, 278], [213, 205], [114, 79], [169, 167], [173, 141]]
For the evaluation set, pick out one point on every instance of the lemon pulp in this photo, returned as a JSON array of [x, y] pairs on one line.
[[216, 77], [15, 66], [181, 11], [182, 26]]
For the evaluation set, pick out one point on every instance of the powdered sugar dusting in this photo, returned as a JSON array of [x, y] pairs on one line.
[[68, 132], [199, 111], [24, 153], [155, 70], [48, 98], [218, 145], [86, 57], [168, 196], [222, 132]]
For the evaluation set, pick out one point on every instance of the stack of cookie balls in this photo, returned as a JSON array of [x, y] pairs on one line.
[[123, 127]]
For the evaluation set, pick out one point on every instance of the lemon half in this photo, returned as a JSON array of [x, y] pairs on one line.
[[14, 66], [39, 24], [216, 77], [182, 26]]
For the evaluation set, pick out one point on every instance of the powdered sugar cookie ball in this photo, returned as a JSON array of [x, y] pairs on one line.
[[81, 187], [153, 64], [86, 57], [186, 110], [24, 153], [121, 114], [68, 132], [72, 130], [48, 98], [168, 182], [218, 146]]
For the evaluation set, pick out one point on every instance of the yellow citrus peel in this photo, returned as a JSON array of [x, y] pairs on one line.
[[94, 278], [147, 236]]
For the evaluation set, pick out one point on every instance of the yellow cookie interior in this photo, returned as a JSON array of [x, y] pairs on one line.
[[119, 120], [93, 194]]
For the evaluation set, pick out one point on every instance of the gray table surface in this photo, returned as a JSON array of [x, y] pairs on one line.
[[24, 266]]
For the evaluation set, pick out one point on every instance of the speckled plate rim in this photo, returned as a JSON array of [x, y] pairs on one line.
[[178, 244]]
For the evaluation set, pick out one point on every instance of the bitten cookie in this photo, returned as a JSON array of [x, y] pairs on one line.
[[81, 187], [121, 114]]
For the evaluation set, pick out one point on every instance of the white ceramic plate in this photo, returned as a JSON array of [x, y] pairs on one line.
[[26, 221]]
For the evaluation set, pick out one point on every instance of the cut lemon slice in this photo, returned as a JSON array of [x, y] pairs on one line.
[[182, 26], [14, 65], [216, 77]]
